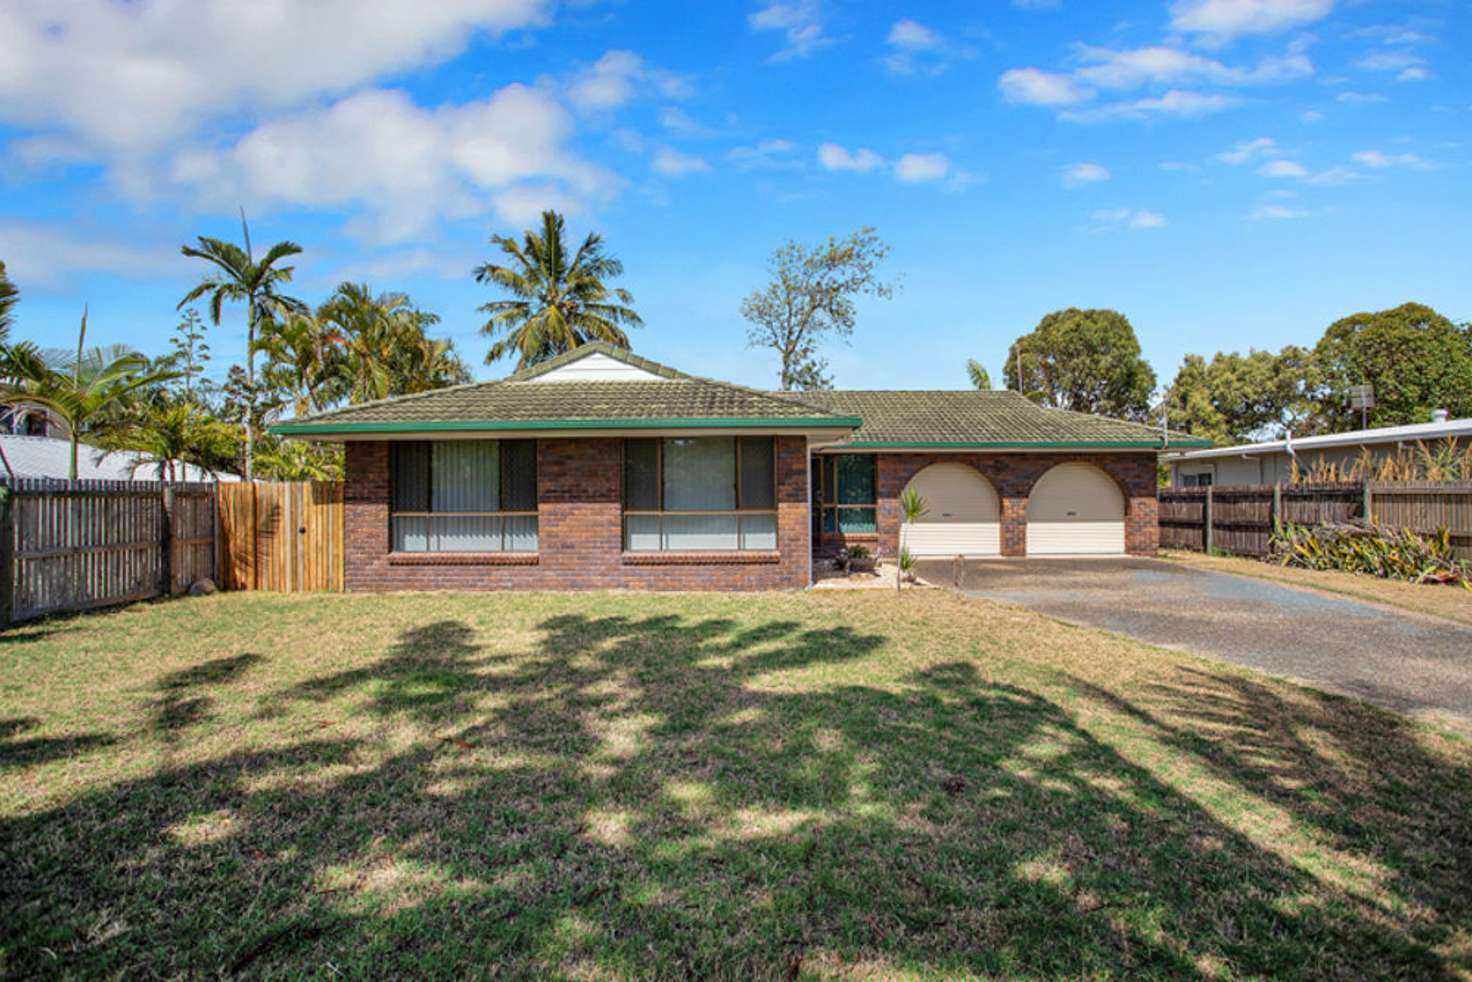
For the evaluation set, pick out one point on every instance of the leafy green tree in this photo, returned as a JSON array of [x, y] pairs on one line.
[[90, 393], [237, 277], [9, 297], [977, 373], [812, 296], [1085, 360], [1416, 359], [296, 460], [561, 302], [1234, 398]]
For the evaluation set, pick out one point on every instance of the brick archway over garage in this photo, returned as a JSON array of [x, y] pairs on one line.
[[1013, 475]]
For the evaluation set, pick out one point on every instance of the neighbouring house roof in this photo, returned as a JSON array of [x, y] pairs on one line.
[[1453, 429], [522, 403], [980, 419], [49, 457]]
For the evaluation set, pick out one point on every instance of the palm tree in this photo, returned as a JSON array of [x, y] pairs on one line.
[[179, 434], [9, 297], [561, 303], [370, 327], [302, 358], [96, 385], [424, 363], [978, 375], [238, 277]]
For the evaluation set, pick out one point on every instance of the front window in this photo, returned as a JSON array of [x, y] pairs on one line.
[[845, 492], [697, 494], [464, 496]]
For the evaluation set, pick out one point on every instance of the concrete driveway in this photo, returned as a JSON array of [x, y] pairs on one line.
[[1407, 662]]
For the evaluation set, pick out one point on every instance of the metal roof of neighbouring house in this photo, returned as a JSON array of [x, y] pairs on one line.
[[49, 457], [981, 419], [1445, 429], [661, 398]]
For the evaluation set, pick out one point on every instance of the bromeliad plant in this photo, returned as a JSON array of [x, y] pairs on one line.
[[1392, 553]]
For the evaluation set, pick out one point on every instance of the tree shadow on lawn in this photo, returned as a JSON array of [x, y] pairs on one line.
[[1363, 779], [666, 796]]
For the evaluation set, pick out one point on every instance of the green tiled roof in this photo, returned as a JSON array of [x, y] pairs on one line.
[[520, 402], [971, 418]]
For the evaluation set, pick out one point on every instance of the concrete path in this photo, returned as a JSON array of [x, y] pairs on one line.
[[1408, 662]]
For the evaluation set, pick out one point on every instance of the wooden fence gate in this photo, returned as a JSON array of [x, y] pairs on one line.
[[71, 546], [285, 536]]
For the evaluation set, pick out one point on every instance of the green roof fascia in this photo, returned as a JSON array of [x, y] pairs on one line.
[[672, 423], [1016, 444]]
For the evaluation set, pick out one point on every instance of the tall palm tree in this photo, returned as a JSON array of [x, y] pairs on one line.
[[238, 277], [370, 327], [95, 386], [9, 297], [977, 373], [561, 303]]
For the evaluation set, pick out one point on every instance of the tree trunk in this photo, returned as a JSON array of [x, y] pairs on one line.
[[250, 387], [71, 471]]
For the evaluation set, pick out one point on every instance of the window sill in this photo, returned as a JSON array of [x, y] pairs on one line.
[[463, 559], [723, 558]]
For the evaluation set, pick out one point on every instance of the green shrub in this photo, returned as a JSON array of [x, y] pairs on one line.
[[1393, 553]]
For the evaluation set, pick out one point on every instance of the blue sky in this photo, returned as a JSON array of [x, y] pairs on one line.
[[1228, 173]]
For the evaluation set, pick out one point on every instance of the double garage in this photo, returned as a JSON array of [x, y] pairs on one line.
[[1074, 509]]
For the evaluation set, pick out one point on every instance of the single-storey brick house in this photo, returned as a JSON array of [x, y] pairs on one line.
[[599, 469]]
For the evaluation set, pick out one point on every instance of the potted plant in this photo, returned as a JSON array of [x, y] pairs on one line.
[[860, 560]]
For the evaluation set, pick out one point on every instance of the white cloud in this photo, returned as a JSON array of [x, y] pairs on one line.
[[618, 78], [1035, 87], [1037, 6], [1219, 21], [1165, 65], [1274, 213], [44, 255], [914, 168], [912, 35], [1413, 74], [1129, 218], [129, 78], [1175, 103], [1283, 168], [915, 48], [1334, 176], [1246, 151], [401, 165], [1310, 116], [681, 124], [800, 23], [673, 163], [1078, 175], [831, 156], [1379, 161], [1390, 60], [1360, 98], [773, 153]]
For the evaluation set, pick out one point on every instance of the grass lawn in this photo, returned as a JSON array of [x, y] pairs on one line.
[[773, 786], [1451, 602]]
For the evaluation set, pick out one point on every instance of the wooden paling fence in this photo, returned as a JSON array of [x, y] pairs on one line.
[[1240, 519], [80, 545], [285, 536], [69, 546]]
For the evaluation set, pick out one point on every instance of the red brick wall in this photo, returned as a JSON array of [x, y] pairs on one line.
[[1013, 476], [580, 521]]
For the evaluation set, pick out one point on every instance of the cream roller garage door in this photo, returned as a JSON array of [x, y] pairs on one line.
[[1075, 510], [962, 518]]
